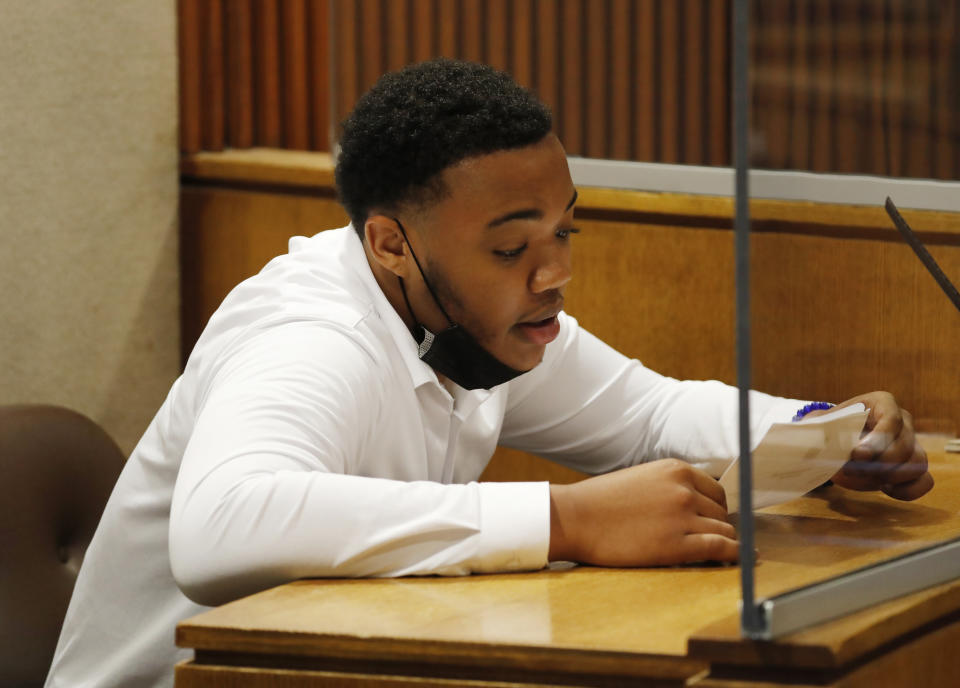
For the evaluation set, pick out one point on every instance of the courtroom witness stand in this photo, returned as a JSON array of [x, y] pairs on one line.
[[337, 408]]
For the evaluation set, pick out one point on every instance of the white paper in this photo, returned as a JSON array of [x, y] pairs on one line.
[[794, 458]]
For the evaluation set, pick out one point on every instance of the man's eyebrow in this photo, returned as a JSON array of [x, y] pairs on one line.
[[527, 214]]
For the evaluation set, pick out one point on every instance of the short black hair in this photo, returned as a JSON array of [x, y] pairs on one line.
[[416, 122]]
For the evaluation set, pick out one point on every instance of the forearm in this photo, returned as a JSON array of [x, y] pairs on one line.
[[592, 408], [231, 538]]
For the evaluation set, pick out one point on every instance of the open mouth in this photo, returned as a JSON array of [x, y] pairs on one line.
[[541, 331]]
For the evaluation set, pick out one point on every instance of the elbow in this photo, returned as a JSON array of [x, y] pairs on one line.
[[211, 576], [210, 569], [191, 565]]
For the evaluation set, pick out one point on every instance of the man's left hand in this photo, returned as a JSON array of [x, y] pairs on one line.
[[888, 457]]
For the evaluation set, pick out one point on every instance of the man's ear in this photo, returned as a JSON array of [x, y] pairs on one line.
[[386, 243]]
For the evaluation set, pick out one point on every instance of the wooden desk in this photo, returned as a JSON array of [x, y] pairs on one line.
[[591, 626]]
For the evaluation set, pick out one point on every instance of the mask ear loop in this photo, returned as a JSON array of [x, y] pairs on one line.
[[416, 323], [425, 281]]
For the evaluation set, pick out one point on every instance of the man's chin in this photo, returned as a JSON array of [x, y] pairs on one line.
[[528, 357]]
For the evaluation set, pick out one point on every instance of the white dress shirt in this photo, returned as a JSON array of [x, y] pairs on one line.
[[305, 438]]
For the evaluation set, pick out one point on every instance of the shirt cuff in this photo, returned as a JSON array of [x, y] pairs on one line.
[[781, 411], [515, 527]]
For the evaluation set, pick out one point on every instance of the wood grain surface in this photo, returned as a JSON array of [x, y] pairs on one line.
[[586, 621]]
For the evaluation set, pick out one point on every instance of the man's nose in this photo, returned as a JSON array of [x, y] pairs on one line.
[[553, 273]]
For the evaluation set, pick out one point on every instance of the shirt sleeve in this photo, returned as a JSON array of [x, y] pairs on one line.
[[265, 493], [592, 408]]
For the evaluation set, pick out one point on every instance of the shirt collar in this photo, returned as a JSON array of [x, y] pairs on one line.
[[420, 372], [465, 401]]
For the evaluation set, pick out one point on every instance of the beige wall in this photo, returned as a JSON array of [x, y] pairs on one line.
[[88, 208]]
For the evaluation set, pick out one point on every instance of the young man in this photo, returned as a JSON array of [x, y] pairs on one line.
[[337, 408]]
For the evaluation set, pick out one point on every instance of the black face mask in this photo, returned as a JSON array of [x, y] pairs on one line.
[[454, 353]]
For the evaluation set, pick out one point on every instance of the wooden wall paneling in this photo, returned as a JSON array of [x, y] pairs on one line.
[[296, 103], [822, 133], [572, 77], [373, 35], [522, 41], [718, 82], [801, 86], [641, 316], [471, 30], [862, 68], [190, 70], [497, 34], [621, 77], [346, 56], [423, 30], [947, 92], [596, 109], [267, 92], [877, 150], [955, 95], [511, 465], [448, 26], [919, 114], [760, 68], [861, 86], [397, 32], [668, 90], [881, 325], [758, 93], [896, 89], [646, 117], [212, 94], [239, 83], [780, 75], [695, 117], [547, 74], [318, 45], [849, 87]]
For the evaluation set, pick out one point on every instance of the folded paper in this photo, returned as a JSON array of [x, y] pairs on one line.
[[794, 458]]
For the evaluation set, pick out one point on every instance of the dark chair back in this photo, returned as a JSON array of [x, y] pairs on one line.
[[57, 469]]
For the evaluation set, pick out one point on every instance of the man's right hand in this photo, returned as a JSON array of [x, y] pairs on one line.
[[655, 514]]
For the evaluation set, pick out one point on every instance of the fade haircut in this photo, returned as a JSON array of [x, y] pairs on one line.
[[416, 122]]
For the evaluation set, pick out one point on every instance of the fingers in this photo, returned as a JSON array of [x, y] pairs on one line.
[[704, 525], [904, 465], [863, 483], [711, 537], [709, 508], [909, 471], [709, 547], [698, 482], [911, 490], [885, 423], [905, 481], [711, 489], [888, 457]]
